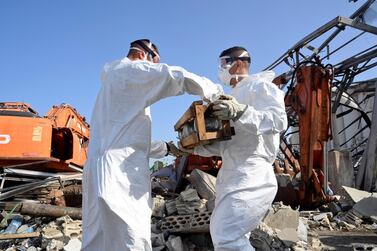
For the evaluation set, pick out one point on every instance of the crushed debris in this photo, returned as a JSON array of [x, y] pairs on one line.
[[180, 221]]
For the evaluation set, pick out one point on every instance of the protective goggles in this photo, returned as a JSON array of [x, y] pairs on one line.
[[228, 60]]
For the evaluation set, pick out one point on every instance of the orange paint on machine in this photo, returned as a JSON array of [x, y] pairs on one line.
[[55, 142]]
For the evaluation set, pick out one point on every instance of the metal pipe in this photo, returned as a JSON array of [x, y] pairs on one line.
[[35, 209], [325, 168]]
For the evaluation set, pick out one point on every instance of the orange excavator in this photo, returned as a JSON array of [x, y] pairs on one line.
[[56, 142]]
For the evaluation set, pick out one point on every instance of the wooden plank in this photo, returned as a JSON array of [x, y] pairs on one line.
[[184, 119], [190, 141], [19, 236], [211, 135], [200, 121], [187, 116]]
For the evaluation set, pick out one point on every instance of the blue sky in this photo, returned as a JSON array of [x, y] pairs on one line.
[[52, 52]]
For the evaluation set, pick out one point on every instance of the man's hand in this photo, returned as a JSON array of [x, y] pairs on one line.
[[177, 152], [227, 108]]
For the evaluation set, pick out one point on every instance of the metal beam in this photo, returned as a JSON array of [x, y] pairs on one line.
[[354, 61], [305, 41], [358, 25]]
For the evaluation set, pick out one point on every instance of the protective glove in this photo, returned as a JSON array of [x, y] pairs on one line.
[[175, 151], [227, 107]]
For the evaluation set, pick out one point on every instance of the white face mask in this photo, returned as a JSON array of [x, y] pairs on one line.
[[224, 74]]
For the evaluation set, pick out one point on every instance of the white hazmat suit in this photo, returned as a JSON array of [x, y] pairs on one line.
[[246, 183], [116, 181]]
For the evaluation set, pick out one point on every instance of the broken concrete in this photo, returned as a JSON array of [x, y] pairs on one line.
[[174, 243], [302, 231], [367, 207], [51, 233], [73, 245], [55, 245], [170, 207], [157, 239], [195, 223], [340, 169], [284, 221], [356, 195], [321, 216], [189, 202], [158, 206], [204, 183], [264, 238]]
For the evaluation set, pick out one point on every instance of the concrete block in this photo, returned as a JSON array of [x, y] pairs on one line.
[[283, 216], [204, 183], [157, 239], [74, 244], [321, 216], [55, 245], [341, 171], [170, 207], [284, 221], [189, 195], [174, 243], [190, 207], [356, 195], [352, 217], [195, 223], [265, 238], [51, 233], [158, 206], [302, 231], [367, 207], [188, 202], [72, 228]]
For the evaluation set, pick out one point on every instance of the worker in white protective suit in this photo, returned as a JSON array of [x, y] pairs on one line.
[[246, 183], [116, 181]]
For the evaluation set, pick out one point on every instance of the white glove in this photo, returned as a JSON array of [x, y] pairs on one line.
[[227, 108], [175, 151]]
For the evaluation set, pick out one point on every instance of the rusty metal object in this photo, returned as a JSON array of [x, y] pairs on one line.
[[73, 195], [203, 163], [70, 132], [309, 101], [42, 210]]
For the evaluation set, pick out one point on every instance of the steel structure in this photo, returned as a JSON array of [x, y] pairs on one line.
[[346, 49]]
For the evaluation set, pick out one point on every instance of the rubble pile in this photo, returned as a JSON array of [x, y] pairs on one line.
[[40, 233], [180, 221]]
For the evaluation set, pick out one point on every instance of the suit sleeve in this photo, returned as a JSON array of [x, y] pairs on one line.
[[266, 113], [152, 82], [158, 150]]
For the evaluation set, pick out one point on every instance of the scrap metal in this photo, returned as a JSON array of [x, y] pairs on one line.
[[320, 88]]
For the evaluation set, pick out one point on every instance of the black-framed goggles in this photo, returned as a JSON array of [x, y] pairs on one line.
[[228, 60]]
